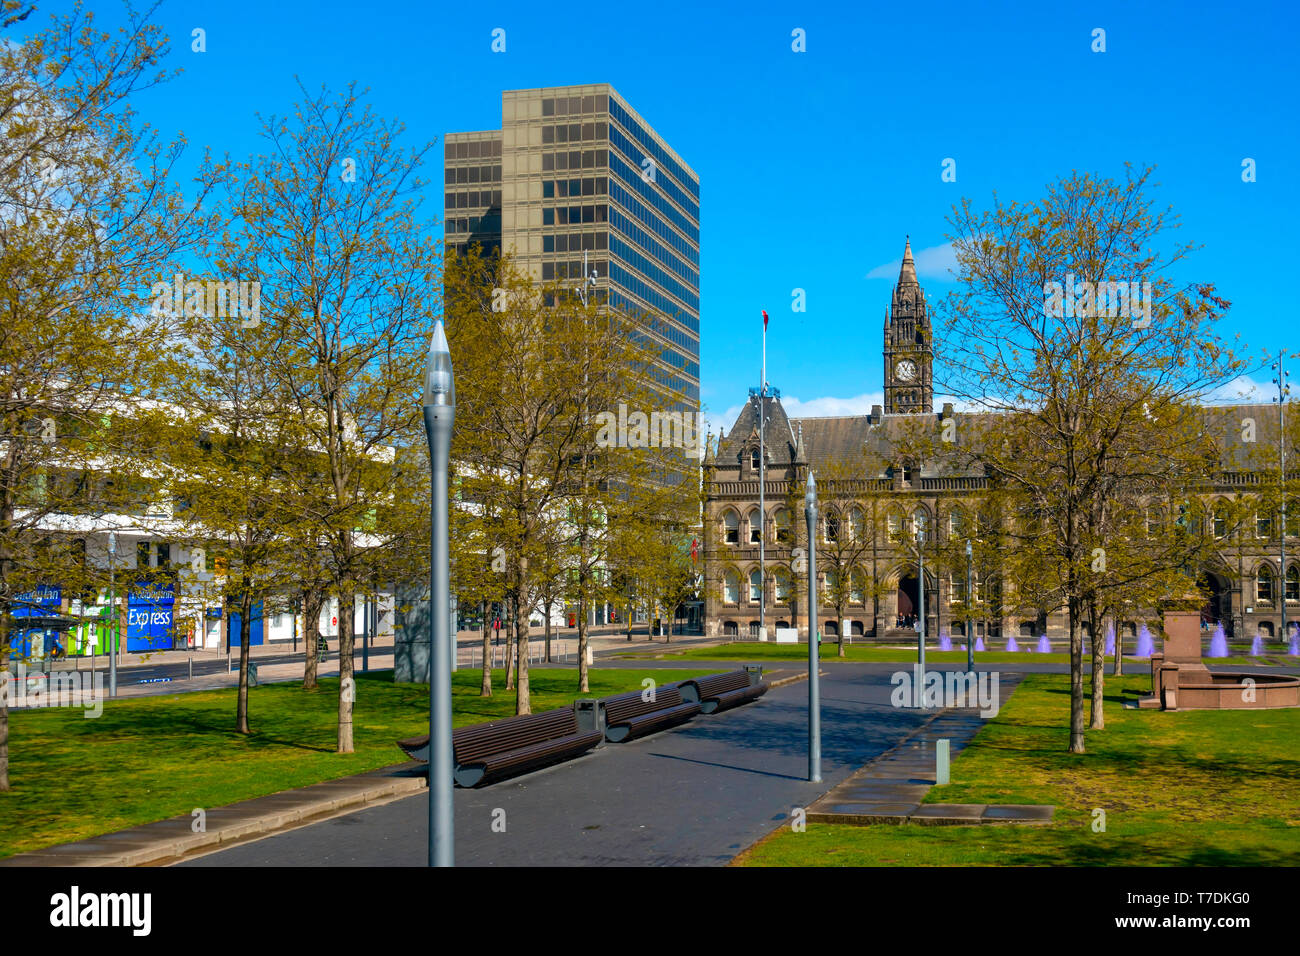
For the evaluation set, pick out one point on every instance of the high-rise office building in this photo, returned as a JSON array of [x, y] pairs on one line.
[[574, 170]]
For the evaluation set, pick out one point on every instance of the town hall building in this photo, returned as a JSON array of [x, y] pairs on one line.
[[867, 553]]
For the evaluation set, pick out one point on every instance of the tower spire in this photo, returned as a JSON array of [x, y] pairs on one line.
[[907, 274]]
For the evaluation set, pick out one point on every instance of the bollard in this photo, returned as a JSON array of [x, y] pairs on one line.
[[941, 762]]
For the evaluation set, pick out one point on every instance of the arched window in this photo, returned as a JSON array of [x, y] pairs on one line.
[[1264, 585], [895, 527], [731, 588], [781, 582], [731, 527], [857, 587], [781, 521], [830, 583], [1293, 583], [957, 588], [1220, 521], [1263, 526], [832, 527], [956, 523], [753, 459], [755, 586], [920, 521], [858, 524], [755, 527]]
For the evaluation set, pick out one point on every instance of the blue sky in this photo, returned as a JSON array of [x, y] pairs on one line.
[[814, 165]]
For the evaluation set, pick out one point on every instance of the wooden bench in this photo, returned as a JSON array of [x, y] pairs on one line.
[[487, 752], [722, 691], [629, 715]]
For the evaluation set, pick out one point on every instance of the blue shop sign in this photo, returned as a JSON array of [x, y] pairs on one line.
[[149, 617], [37, 603]]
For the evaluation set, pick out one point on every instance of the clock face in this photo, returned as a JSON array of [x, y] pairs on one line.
[[905, 370]]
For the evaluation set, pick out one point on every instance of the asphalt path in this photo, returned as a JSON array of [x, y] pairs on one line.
[[695, 795]]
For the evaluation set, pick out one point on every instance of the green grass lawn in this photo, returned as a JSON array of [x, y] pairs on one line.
[[1200, 788], [150, 758], [756, 651]]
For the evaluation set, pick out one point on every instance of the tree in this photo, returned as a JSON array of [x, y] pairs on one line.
[[1068, 380], [542, 373], [327, 222], [225, 443], [847, 499], [87, 208]]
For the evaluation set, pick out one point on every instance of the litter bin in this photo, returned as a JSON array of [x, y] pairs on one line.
[[589, 715]]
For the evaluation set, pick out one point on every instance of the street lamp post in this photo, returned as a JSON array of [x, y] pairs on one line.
[[439, 413], [970, 622], [814, 690], [112, 616], [920, 617]]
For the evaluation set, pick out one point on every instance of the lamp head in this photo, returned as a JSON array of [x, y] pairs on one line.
[[439, 381], [810, 496]]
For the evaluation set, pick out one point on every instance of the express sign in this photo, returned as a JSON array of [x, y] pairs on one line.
[[149, 617]]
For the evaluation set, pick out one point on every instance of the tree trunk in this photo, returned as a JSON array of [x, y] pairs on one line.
[[311, 604], [522, 703], [485, 686], [548, 630], [347, 682], [1076, 679], [1098, 721], [839, 614], [1119, 648], [583, 684], [4, 702], [245, 631]]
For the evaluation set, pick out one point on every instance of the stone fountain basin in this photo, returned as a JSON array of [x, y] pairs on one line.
[[1228, 691]]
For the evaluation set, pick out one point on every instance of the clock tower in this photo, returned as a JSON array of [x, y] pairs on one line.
[[909, 356]]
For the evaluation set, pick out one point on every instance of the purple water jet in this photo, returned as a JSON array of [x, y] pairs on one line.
[[1044, 645], [1256, 645], [979, 644], [1110, 639], [1218, 643], [945, 642], [1294, 649], [1146, 646], [1012, 646]]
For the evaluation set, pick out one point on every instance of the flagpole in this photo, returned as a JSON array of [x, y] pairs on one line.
[[762, 489]]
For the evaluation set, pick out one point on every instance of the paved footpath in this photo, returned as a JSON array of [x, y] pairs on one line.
[[695, 795]]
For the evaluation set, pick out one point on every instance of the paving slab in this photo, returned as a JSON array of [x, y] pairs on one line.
[[948, 813], [1020, 813]]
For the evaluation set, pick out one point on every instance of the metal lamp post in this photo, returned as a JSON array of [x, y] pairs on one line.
[[920, 622], [814, 691], [970, 622], [439, 413], [112, 616]]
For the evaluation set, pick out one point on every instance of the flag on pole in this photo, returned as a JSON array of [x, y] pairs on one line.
[[765, 320]]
